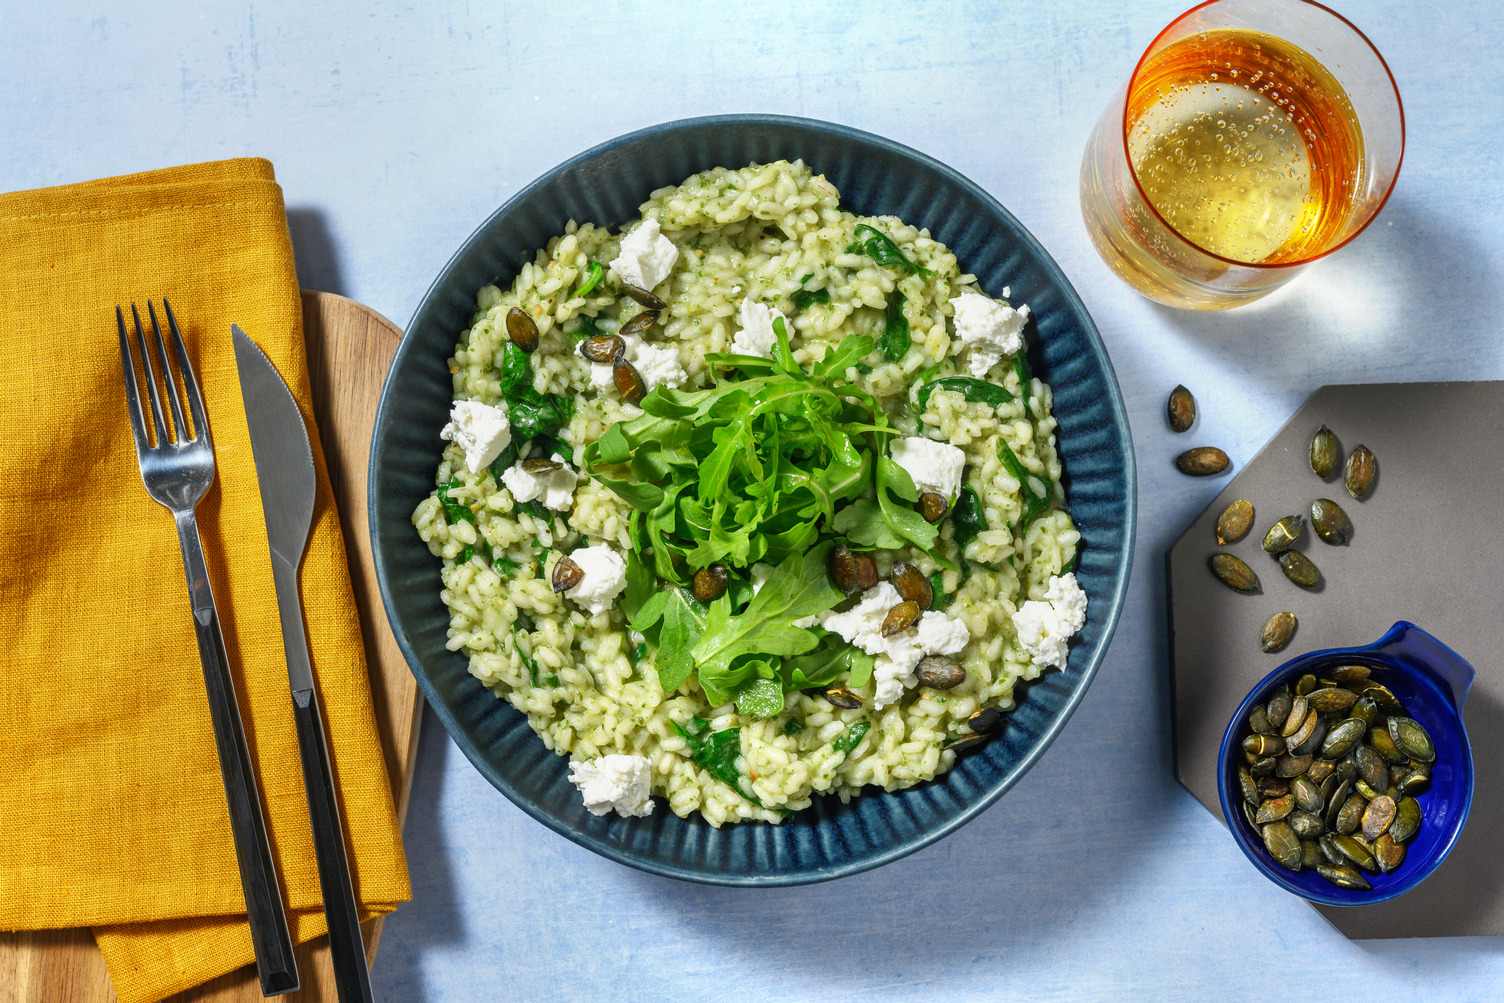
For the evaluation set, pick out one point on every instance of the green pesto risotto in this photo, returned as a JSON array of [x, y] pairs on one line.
[[750, 501]]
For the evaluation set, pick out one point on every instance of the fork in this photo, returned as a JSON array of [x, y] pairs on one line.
[[177, 467]]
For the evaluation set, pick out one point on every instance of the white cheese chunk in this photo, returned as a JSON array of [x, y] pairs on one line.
[[657, 366], [1045, 626], [893, 670], [757, 336], [481, 430], [554, 488], [760, 574], [991, 329], [605, 575], [934, 466], [615, 782], [646, 256]]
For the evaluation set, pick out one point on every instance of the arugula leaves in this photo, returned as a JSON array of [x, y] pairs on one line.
[[826, 664], [851, 737], [937, 586], [1036, 499], [881, 249], [805, 298], [890, 521], [969, 387], [895, 339], [1021, 368], [675, 622], [736, 646], [715, 753], [747, 470], [594, 279], [537, 510]]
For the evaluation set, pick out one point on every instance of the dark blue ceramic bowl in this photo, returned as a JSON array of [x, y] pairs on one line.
[[874, 176], [1431, 681]]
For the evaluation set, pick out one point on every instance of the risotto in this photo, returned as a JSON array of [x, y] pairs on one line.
[[751, 501]]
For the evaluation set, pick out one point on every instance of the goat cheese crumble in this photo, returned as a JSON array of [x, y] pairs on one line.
[[657, 366], [481, 430], [1045, 625], [934, 466], [615, 782], [861, 626], [757, 336], [605, 575], [554, 488], [991, 329], [646, 256]]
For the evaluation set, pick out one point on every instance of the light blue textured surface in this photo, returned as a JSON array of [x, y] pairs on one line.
[[396, 129]]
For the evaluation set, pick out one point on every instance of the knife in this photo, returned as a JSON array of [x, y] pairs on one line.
[[284, 468]]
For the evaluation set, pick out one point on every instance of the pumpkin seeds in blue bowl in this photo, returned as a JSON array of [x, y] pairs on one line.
[[1346, 775]]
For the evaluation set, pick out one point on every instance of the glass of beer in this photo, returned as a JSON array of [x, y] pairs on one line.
[[1253, 137]]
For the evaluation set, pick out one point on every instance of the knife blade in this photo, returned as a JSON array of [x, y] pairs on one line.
[[284, 470]]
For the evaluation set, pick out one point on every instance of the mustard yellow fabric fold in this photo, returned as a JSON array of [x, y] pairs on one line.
[[112, 810]]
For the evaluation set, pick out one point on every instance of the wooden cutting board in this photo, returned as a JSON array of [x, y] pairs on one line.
[[350, 348]]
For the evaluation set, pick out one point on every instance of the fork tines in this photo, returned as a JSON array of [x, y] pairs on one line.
[[180, 432]]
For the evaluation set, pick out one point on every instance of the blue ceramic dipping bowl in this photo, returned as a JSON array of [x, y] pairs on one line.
[[874, 176], [1431, 682]]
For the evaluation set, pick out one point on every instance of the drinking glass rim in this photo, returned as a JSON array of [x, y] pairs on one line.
[[1144, 196]]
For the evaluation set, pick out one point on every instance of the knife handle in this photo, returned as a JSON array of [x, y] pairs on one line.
[[347, 950], [270, 938]]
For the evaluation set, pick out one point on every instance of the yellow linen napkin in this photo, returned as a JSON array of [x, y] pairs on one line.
[[112, 809]]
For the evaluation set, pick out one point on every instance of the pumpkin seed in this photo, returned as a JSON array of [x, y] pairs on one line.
[[940, 673], [984, 720], [1232, 572], [1264, 745], [1202, 461], [1344, 877], [1181, 409], [566, 575], [1406, 819], [1388, 853], [522, 330], [1277, 633], [1278, 709], [640, 323], [644, 297], [1341, 738], [1299, 569], [710, 583], [1361, 786], [1264, 766], [1297, 718], [1350, 814], [1335, 801], [841, 565], [1354, 851], [1272, 787], [900, 618], [1377, 816], [1417, 781], [1304, 824], [1283, 534], [1282, 844], [540, 465], [1384, 746], [866, 570], [1310, 853], [1305, 684], [843, 698], [1362, 468], [1324, 452], [965, 742], [1234, 522], [1248, 813], [1371, 767], [1307, 795], [1330, 522], [603, 348], [1350, 673], [933, 506], [1331, 698], [1380, 694], [1412, 739], [1288, 766], [629, 382], [1365, 710], [912, 584], [1258, 721], [1308, 736], [1320, 769]]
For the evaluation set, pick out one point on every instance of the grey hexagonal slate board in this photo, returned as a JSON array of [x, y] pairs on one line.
[[1426, 548]]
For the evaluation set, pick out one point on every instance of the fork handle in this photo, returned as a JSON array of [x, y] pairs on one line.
[[270, 937]]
